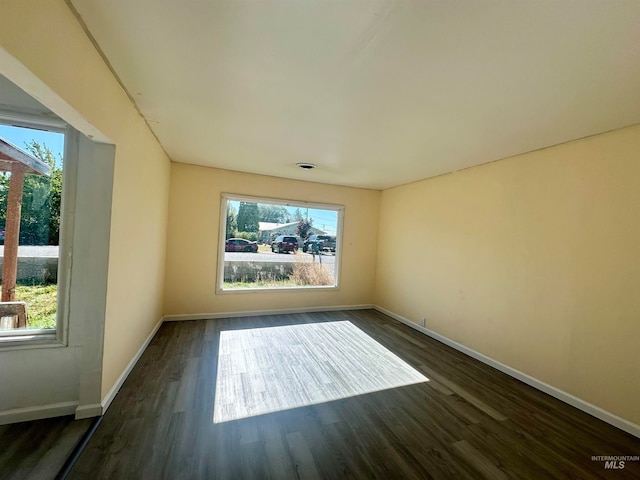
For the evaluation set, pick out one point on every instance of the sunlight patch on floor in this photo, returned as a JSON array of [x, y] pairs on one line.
[[264, 370]]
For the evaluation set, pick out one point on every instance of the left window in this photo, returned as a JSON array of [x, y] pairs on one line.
[[31, 192]]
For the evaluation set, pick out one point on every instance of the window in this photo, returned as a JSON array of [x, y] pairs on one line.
[[278, 244], [32, 152]]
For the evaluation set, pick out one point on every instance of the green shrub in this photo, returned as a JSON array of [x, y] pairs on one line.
[[251, 236]]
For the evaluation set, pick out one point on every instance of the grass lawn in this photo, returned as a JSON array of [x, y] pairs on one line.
[[41, 303]]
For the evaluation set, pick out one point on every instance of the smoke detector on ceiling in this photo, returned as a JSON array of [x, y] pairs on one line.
[[306, 166]]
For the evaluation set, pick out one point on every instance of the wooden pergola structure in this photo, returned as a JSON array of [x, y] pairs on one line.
[[19, 163]]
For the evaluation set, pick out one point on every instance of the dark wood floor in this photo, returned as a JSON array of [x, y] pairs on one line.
[[468, 422], [38, 450]]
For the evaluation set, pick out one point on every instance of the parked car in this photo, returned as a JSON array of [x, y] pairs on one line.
[[240, 245], [325, 243], [284, 243]]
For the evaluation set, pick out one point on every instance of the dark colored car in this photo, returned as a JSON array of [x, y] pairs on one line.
[[325, 243], [284, 243], [240, 245]]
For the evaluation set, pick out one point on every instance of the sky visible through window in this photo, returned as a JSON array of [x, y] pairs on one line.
[[20, 136], [325, 220]]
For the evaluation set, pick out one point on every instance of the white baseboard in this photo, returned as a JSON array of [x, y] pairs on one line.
[[255, 313], [36, 413], [88, 411], [108, 398], [572, 400]]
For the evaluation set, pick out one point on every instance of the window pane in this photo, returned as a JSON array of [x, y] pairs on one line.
[[279, 244], [38, 230]]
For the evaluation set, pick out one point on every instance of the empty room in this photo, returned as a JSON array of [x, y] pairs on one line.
[[319, 239]]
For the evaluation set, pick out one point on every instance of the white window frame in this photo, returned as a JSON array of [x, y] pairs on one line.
[[226, 197], [58, 337]]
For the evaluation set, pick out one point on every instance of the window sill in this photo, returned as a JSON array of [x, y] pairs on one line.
[[220, 291], [29, 339]]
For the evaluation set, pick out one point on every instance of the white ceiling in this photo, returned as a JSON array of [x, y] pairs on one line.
[[377, 93]]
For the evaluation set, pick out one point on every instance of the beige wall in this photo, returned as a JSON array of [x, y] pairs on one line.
[[45, 37], [533, 261], [138, 246], [192, 252]]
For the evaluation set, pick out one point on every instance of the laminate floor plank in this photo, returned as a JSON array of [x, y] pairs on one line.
[[301, 457], [485, 467], [524, 456], [473, 400], [347, 394], [37, 450]]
